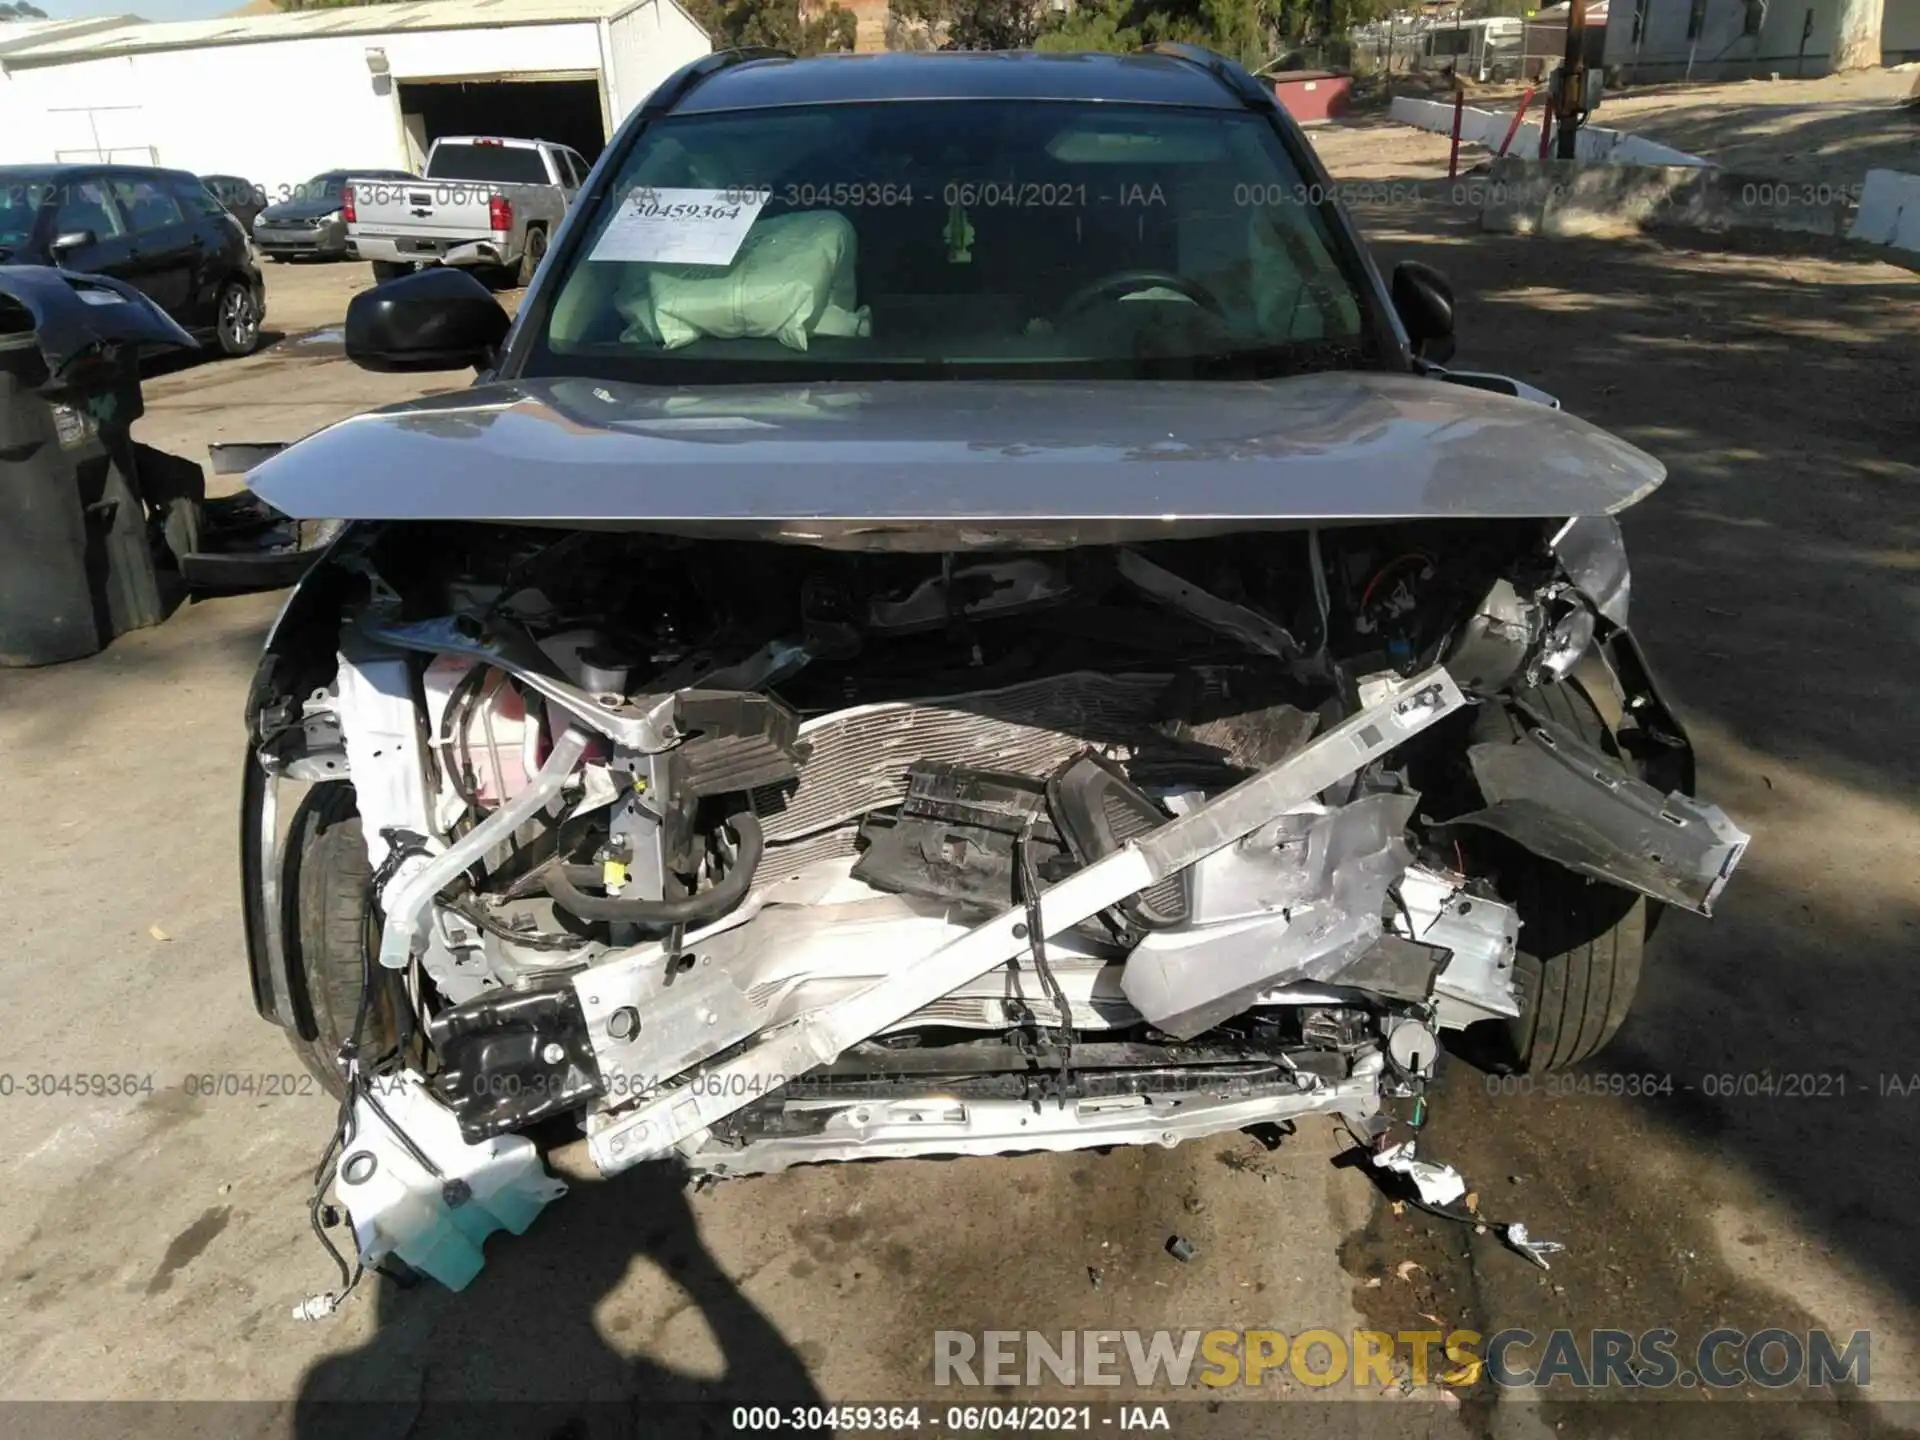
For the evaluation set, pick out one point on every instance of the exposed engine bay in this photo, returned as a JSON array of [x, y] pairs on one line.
[[760, 854]]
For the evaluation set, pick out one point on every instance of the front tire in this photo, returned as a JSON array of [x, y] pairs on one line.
[[237, 319], [331, 934], [385, 270]]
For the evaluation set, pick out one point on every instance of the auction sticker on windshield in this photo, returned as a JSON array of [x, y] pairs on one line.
[[680, 226]]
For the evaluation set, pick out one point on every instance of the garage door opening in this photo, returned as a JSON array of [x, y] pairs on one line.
[[566, 111]]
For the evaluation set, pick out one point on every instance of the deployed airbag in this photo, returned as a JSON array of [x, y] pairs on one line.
[[793, 278]]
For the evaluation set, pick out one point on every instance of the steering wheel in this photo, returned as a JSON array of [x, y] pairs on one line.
[[1124, 282]]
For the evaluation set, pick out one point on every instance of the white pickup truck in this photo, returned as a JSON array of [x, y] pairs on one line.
[[483, 202]]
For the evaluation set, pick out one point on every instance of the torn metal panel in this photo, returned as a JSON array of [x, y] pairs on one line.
[[1570, 803], [1480, 937], [1324, 893], [649, 1019], [665, 1122]]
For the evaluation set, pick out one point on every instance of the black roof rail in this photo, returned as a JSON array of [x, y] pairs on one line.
[[1235, 77], [677, 86]]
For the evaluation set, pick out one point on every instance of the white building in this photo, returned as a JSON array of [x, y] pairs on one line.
[[279, 98], [1655, 40]]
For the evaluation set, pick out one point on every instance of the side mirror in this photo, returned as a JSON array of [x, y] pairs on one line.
[[1424, 301], [436, 319], [72, 240]]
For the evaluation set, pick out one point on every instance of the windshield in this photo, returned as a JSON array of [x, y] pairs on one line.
[[494, 164], [971, 236]]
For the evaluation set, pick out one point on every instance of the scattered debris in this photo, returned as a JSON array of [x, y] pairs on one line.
[[1515, 1236], [1195, 1204], [1436, 1184], [316, 1307], [157, 933], [1094, 1277], [1472, 1202], [1373, 1283], [1406, 1268], [1181, 1248]]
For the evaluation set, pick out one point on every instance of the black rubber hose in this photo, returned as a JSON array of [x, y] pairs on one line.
[[708, 905]]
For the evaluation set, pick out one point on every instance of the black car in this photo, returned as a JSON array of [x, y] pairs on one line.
[[308, 222], [244, 198], [162, 231]]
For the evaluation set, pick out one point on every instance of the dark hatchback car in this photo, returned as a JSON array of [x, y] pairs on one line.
[[308, 222], [161, 231], [241, 196]]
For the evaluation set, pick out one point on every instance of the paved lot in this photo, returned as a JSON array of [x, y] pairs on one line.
[[151, 1246]]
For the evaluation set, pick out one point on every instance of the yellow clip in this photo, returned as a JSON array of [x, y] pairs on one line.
[[613, 874]]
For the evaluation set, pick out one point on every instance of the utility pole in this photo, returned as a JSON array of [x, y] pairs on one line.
[[1573, 77]]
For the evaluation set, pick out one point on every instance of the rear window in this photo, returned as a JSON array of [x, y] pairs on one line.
[[492, 164]]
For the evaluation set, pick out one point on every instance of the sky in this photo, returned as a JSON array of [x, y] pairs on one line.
[[145, 9]]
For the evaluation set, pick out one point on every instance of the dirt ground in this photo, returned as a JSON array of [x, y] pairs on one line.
[[153, 1244], [1827, 131]]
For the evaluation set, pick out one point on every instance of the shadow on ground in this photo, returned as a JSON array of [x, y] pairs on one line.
[[520, 1353], [1777, 588]]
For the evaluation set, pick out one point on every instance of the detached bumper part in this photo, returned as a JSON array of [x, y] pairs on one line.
[[1559, 797], [414, 1188]]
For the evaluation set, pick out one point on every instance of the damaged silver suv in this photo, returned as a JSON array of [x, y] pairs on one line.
[[963, 615]]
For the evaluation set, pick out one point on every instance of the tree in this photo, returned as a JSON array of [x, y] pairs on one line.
[[20, 10], [781, 24], [1254, 32], [974, 24], [1856, 34]]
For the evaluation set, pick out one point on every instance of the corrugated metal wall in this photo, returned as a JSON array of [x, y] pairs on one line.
[[643, 47], [280, 111], [1724, 50]]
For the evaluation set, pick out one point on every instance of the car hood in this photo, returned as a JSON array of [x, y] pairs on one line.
[[953, 465]]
